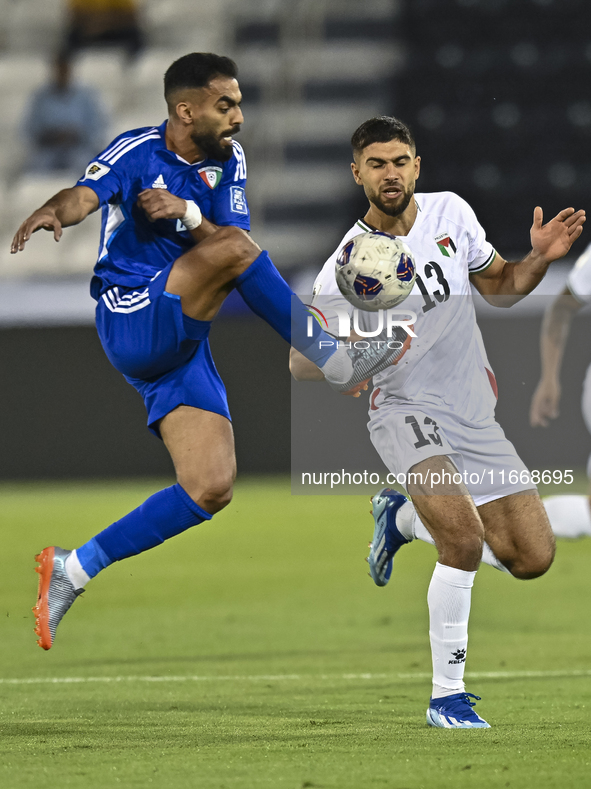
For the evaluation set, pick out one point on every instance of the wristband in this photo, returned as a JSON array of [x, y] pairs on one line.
[[192, 218]]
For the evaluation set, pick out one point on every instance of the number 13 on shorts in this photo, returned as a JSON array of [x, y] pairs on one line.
[[423, 440]]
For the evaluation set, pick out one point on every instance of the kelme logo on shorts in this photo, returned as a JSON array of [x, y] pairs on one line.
[[446, 246], [210, 176]]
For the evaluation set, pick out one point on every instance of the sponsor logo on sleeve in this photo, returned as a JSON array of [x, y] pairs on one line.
[[94, 171], [238, 200]]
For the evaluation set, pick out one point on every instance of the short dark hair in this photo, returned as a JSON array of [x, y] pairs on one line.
[[196, 70], [381, 129]]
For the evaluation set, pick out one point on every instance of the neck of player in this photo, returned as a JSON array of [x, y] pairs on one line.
[[178, 140], [395, 225]]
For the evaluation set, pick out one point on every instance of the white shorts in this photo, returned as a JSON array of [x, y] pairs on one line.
[[405, 435]]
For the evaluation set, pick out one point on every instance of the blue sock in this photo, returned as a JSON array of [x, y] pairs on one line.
[[269, 296], [165, 514]]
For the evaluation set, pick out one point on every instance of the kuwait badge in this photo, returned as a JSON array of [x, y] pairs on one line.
[[210, 176], [446, 246]]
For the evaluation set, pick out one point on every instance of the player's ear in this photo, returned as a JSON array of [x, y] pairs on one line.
[[183, 112], [355, 171], [417, 166]]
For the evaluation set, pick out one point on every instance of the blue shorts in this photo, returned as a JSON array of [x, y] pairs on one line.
[[164, 354]]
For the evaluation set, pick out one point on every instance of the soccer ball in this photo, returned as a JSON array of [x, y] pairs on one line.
[[375, 271]]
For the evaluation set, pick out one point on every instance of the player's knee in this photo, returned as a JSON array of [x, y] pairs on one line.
[[470, 549], [211, 495], [216, 497], [532, 565], [235, 248], [465, 553]]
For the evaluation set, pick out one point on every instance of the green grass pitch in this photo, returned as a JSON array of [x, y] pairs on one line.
[[254, 651]]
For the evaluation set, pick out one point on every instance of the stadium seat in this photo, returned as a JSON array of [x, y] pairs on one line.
[[310, 72], [485, 92]]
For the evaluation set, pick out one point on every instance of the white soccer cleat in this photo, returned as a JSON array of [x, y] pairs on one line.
[[367, 362]]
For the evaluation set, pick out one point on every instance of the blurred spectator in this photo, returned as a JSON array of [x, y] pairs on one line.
[[98, 22], [64, 124]]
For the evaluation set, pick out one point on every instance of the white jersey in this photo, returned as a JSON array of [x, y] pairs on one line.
[[579, 284], [446, 365]]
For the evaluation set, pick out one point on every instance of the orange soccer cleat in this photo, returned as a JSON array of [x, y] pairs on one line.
[[55, 596]]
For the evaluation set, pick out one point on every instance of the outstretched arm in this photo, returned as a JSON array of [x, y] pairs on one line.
[[549, 242], [555, 329], [66, 208]]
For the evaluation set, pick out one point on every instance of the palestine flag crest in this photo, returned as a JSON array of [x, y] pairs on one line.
[[210, 176], [446, 246]]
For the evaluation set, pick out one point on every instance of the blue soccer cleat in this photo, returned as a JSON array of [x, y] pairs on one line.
[[455, 712], [386, 537]]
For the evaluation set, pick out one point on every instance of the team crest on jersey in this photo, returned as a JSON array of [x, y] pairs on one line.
[[446, 245], [94, 171], [210, 176]]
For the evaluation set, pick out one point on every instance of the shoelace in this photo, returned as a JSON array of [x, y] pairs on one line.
[[465, 699]]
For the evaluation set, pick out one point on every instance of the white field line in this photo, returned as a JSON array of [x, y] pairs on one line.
[[289, 677]]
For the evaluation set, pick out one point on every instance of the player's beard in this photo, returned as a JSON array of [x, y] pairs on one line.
[[211, 145], [393, 210]]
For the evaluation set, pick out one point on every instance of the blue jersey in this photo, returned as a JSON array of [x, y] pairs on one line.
[[133, 249]]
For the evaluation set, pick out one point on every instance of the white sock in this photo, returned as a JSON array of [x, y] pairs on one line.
[[412, 527], [339, 368], [408, 521], [75, 572], [449, 597], [569, 516]]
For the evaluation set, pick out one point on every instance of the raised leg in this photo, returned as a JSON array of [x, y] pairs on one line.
[[229, 259], [204, 275]]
